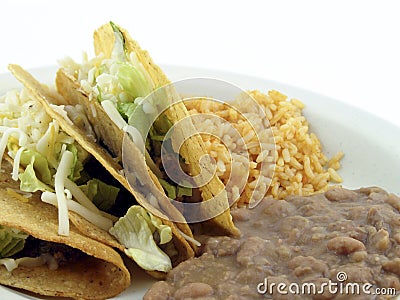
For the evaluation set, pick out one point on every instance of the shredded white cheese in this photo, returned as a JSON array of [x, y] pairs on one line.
[[30, 262], [62, 112], [16, 163], [137, 139], [77, 114], [68, 194], [4, 140], [135, 135], [188, 238], [64, 169], [96, 219], [80, 196], [9, 263], [43, 144], [112, 112]]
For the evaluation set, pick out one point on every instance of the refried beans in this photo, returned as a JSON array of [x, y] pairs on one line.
[[341, 244]]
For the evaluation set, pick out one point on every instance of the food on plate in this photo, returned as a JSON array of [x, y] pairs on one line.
[[308, 240], [34, 257], [47, 156], [67, 147], [301, 167], [112, 87]]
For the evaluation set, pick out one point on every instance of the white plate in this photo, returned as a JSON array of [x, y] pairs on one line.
[[370, 144]]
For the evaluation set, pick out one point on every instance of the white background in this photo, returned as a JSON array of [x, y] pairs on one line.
[[348, 50]]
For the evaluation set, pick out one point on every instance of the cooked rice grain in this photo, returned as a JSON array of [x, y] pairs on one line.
[[301, 168]]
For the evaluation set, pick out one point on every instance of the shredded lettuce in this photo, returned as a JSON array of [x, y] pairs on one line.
[[79, 157], [28, 180], [135, 231], [40, 165], [125, 109], [175, 192], [132, 81], [158, 138], [102, 195], [164, 231], [38, 175], [99, 93], [168, 188], [12, 241], [162, 125], [184, 191], [124, 81]]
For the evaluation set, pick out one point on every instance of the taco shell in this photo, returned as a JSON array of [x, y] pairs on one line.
[[49, 99], [192, 148], [100, 274]]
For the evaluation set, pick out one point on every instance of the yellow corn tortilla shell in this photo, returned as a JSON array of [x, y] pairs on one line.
[[112, 137], [48, 98], [192, 149], [101, 274]]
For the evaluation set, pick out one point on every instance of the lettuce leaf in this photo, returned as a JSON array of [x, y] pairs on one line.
[[125, 109], [12, 241], [184, 191], [135, 231], [164, 231], [28, 180], [102, 194], [80, 156], [162, 125], [174, 192], [168, 188], [132, 80], [40, 165]]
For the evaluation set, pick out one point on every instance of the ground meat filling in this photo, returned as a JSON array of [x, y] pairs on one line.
[[316, 239], [63, 254]]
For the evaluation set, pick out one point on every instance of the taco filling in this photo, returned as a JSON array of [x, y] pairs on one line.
[[47, 159], [125, 93], [121, 84], [34, 257], [20, 249]]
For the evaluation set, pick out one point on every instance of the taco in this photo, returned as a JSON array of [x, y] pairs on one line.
[[114, 87], [45, 150], [34, 257]]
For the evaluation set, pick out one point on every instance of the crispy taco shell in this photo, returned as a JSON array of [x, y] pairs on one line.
[[100, 274], [48, 99], [111, 136], [192, 148]]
